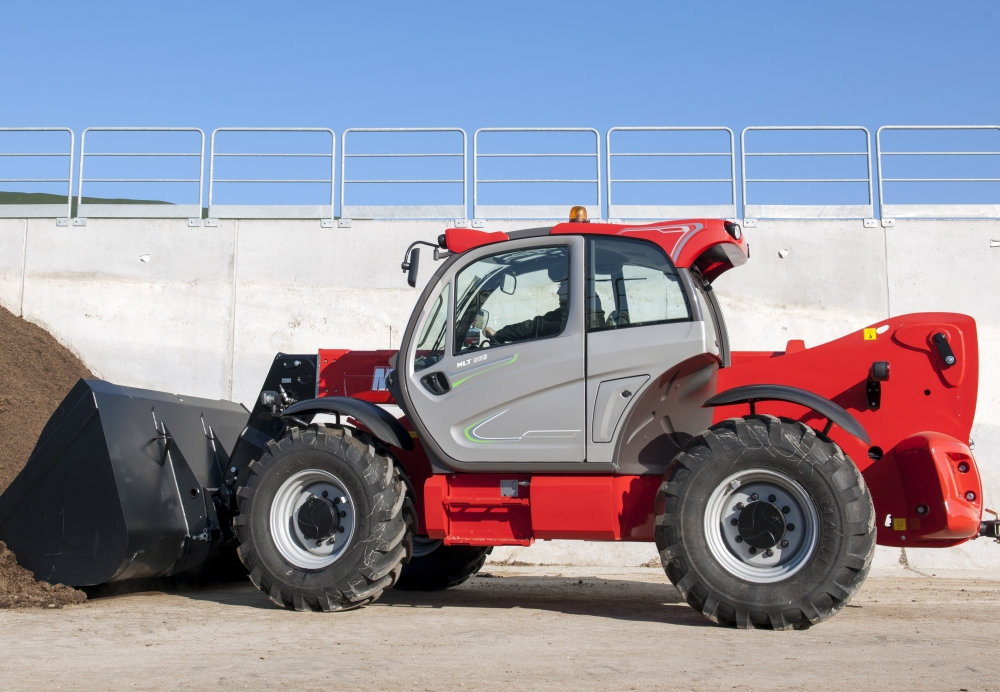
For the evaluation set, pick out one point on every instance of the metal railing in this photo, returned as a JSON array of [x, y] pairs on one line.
[[272, 211], [20, 211], [143, 211], [934, 211], [534, 211], [668, 211], [402, 211], [807, 211]]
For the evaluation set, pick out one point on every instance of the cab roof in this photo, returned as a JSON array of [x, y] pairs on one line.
[[712, 246]]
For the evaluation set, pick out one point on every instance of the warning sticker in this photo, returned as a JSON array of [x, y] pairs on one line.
[[899, 524], [871, 334]]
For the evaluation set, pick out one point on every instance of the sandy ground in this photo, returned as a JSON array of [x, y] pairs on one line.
[[544, 628]]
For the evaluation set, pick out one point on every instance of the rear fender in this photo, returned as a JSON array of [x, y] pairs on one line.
[[776, 392]]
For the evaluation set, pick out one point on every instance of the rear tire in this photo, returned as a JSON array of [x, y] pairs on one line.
[[366, 497], [764, 523], [435, 566]]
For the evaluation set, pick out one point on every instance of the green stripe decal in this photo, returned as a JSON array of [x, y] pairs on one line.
[[480, 372], [470, 438]]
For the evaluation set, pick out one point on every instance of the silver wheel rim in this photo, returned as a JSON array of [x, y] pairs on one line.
[[424, 546], [288, 538], [764, 566]]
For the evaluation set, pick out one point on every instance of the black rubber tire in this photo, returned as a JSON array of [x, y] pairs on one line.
[[846, 539], [446, 566], [372, 561]]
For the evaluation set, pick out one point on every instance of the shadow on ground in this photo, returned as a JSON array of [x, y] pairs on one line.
[[618, 599]]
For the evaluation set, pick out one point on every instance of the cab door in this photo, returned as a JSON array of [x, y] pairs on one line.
[[499, 375]]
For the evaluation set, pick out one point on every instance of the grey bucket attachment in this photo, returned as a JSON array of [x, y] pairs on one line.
[[115, 488]]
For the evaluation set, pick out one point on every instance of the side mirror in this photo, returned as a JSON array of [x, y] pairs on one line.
[[413, 266], [509, 284]]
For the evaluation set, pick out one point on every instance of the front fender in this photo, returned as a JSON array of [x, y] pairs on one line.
[[381, 423]]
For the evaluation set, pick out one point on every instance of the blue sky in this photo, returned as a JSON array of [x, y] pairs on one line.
[[487, 64]]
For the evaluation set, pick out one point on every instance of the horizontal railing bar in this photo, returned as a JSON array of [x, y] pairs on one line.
[[673, 153], [143, 180], [35, 180], [806, 153], [673, 180], [941, 153], [321, 156], [28, 154], [328, 180], [805, 180], [592, 180], [404, 181], [941, 180], [499, 156], [100, 153], [392, 156]]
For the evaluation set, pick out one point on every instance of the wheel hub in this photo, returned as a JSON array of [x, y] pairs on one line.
[[318, 518], [761, 525], [312, 519]]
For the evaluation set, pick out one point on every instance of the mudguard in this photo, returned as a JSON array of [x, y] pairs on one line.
[[780, 392], [382, 424]]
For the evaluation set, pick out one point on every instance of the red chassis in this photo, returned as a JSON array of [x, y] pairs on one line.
[[922, 475]]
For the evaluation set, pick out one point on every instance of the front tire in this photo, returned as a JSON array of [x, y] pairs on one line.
[[321, 523], [763, 522]]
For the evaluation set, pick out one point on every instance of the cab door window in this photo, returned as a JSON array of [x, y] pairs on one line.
[[631, 283], [431, 345], [511, 297]]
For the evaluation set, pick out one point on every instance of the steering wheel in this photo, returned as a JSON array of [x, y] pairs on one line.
[[485, 343]]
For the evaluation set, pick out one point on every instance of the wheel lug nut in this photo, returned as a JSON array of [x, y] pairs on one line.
[[768, 553], [739, 505], [343, 514], [753, 551], [791, 527], [319, 544], [326, 493], [739, 539], [754, 497], [341, 529], [734, 521], [772, 498], [786, 509], [784, 544]]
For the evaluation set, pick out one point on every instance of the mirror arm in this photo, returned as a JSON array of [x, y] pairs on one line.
[[405, 266]]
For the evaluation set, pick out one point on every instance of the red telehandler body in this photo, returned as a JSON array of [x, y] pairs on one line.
[[564, 382]]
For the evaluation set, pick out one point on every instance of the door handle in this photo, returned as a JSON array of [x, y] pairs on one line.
[[437, 383]]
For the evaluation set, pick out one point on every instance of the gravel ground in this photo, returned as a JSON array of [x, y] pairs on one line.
[[542, 628]]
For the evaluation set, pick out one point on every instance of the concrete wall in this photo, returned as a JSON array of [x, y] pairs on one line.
[[207, 310]]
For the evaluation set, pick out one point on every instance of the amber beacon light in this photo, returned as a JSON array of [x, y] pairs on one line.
[[578, 214]]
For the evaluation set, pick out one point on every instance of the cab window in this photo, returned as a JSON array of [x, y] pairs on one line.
[[631, 283], [512, 297], [431, 346]]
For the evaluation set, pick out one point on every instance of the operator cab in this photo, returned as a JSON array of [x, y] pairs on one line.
[[578, 346]]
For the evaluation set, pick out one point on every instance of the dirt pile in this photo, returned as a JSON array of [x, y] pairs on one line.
[[36, 372], [18, 588]]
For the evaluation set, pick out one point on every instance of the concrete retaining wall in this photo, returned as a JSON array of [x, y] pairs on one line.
[[153, 303]]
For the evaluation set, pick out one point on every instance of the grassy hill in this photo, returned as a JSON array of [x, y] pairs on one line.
[[48, 198]]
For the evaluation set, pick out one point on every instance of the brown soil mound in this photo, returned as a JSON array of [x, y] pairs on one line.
[[18, 588], [36, 372]]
